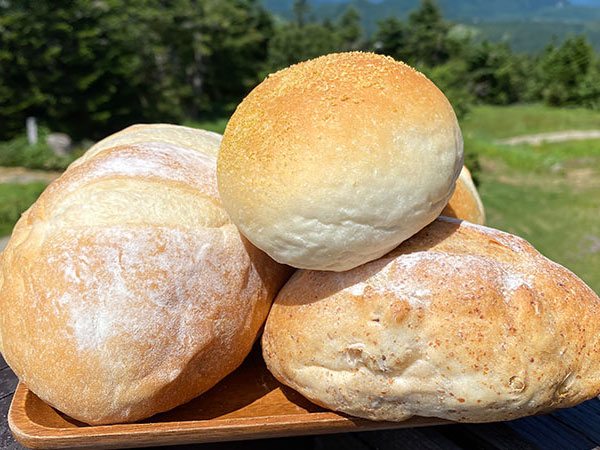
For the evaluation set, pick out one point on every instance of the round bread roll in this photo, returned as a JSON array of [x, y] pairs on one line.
[[125, 290], [465, 203], [461, 322], [177, 135], [333, 162]]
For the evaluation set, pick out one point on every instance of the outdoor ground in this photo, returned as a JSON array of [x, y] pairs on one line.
[[549, 193]]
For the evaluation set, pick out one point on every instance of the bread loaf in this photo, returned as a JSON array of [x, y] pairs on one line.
[[333, 162], [125, 290], [465, 203], [460, 322]]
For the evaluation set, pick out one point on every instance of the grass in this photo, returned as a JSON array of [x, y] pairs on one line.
[[560, 220], [537, 158], [14, 199], [494, 122], [548, 194]]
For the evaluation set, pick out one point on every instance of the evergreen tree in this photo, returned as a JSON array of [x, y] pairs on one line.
[[350, 29], [301, 11], [293, 43], [566, 70], [391, 38], [84, 67], [496, 75], [427, 36]]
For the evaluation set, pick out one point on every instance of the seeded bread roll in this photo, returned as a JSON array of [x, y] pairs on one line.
[[125, 290], [461, 322], [465, 203], [333, 162]]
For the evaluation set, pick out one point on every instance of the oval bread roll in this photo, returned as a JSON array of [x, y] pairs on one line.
[[333, 162], [125, 290], [465, 203], [461, 322]]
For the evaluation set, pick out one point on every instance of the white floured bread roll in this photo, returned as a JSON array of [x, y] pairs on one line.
[[465, 203], [125, 289], [177, 135], [333, 162], [461, 322]]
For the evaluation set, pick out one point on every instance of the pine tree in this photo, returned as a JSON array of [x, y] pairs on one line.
[[350, 29]]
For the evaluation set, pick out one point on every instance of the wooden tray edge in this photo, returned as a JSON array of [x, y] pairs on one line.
[[33, 435]]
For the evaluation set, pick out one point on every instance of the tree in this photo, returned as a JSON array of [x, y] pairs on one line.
[[291, 44], [84, 67], [350, 29], [391, 38], [301, 11], [216, 49], [496, 75], [427, 35], [566, 70]]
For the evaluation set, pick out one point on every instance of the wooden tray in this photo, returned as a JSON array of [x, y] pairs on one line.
[[248, 404]]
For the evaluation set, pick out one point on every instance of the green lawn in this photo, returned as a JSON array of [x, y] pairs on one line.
[[548, 194], [560, 220], [14, 199], [496, 122]]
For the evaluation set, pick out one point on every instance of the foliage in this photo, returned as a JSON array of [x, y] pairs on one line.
[[19, 153], [450, 78], [14, 199], [568, 74], [84, 67], [350, 30], [293, 43], [496, 75], [91, 67]]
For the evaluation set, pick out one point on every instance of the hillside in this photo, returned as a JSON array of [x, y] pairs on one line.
[[526, 25]]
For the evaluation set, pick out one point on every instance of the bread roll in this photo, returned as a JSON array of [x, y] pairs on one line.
[[461, 322], [125, 290], [333, 162], [465, 203], [191, 138]]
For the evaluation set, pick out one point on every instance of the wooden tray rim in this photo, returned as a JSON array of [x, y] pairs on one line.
[[34, 435]]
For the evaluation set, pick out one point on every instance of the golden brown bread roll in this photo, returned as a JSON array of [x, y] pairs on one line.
[[333, 162], [465, 203], [125, 289], [461, 322]]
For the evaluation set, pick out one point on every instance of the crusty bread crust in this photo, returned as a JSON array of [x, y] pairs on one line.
[[465, 203], [125, 289], [333, 162], [461, 322]]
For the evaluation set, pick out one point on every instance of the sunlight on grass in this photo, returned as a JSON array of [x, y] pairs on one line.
[[494, 122], [14, 199]]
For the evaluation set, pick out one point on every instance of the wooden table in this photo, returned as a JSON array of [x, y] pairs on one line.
[[573, 429]]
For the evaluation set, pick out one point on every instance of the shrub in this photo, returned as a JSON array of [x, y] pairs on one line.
[[19, 153]]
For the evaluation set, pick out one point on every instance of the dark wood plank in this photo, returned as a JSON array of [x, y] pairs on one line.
[[548, 432], [2, 362], [584, 418], [426, 438], [296, 443], [487, 436], [8, 382], [7, 441], [349, 441]]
